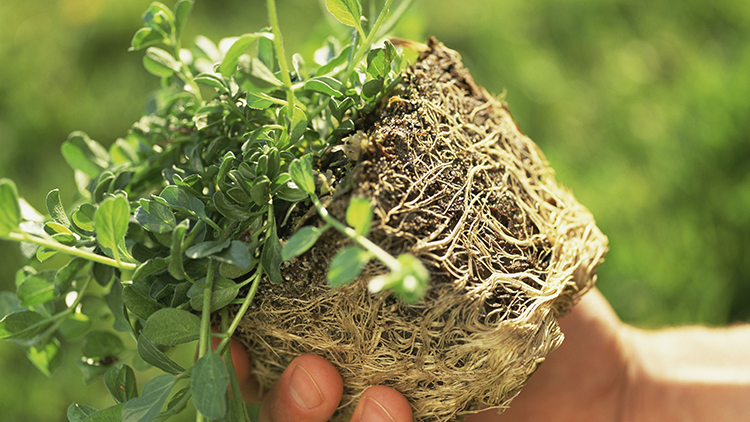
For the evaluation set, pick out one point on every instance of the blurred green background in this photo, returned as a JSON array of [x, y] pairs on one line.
[[642, 107]]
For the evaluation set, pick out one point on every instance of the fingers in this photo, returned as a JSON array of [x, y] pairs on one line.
[[309, 390], [382, 404]]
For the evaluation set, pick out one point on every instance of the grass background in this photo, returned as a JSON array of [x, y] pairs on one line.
[[642, 107]]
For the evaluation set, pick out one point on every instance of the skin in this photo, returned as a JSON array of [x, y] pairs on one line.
[[605, 371]]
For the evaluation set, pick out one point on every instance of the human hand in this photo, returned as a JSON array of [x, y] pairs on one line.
[[585, 379], [310, 390]]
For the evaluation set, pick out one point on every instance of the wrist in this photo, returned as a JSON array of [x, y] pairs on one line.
[[696, 374]]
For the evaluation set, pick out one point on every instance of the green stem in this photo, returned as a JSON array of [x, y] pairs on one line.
[[241, 312], [384, 257], [205, 338], [23, 237], [278, 43], [367, 42], [239, 404]]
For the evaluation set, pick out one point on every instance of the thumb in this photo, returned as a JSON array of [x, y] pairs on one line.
[[309, 390]]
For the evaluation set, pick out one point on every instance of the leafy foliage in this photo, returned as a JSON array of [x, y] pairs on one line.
[[186, 210]]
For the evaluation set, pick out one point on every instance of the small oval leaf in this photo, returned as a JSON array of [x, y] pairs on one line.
[[171, 326], [300, 242], [347, 12], [209, 381], [346, 265]]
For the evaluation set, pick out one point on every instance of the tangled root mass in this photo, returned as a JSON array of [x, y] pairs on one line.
[[454, 182]]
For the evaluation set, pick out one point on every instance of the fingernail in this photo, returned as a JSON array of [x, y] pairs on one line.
[[374, 412], [303, 389]]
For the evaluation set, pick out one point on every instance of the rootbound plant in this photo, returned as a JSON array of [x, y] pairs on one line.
[[303, 208]]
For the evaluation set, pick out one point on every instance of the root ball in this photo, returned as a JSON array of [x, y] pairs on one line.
[[454, 182]]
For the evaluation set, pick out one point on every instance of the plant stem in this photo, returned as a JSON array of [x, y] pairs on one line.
[[367, 42], [205, 338], [23, 237], [241, 312], [278, 43], [384, 257], [239, 404]]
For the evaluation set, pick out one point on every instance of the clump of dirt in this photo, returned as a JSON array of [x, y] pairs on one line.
[[454, 182]]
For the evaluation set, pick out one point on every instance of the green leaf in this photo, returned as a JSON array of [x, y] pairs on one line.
[[267, 53], [110, 414], [260, 100], [79, 412], [253, 75], [103, 185], [336, 63], [37, 289], [151, 354], [103, 274], [120, 381], [176, 267], [180, 198], [116, 305], [325, 85], [75, 326], [229, 210], [223, 292], [160, 63], [85, 155], [209, 381], [10, 210], [301, 241], [123, 152], [56, 209], [346, 265], [159, 17], [372, 88], [229, 64], [146, 37], [260, 190], [9, 303], [171, 327], [177, 403], [209, 79], [52, 228], [139, 304], [111, 220], [302, 175], [347, 12], [65, 275], [204, 249], [359, 215], [297, 127], [42, 254], [181, 11], [155, 216], [378, 63], [147, 407], [149, 267], [46, 357], [22, 325], [238, 254], [101, 344], [67, 239], [83, 217], [270, 258]]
